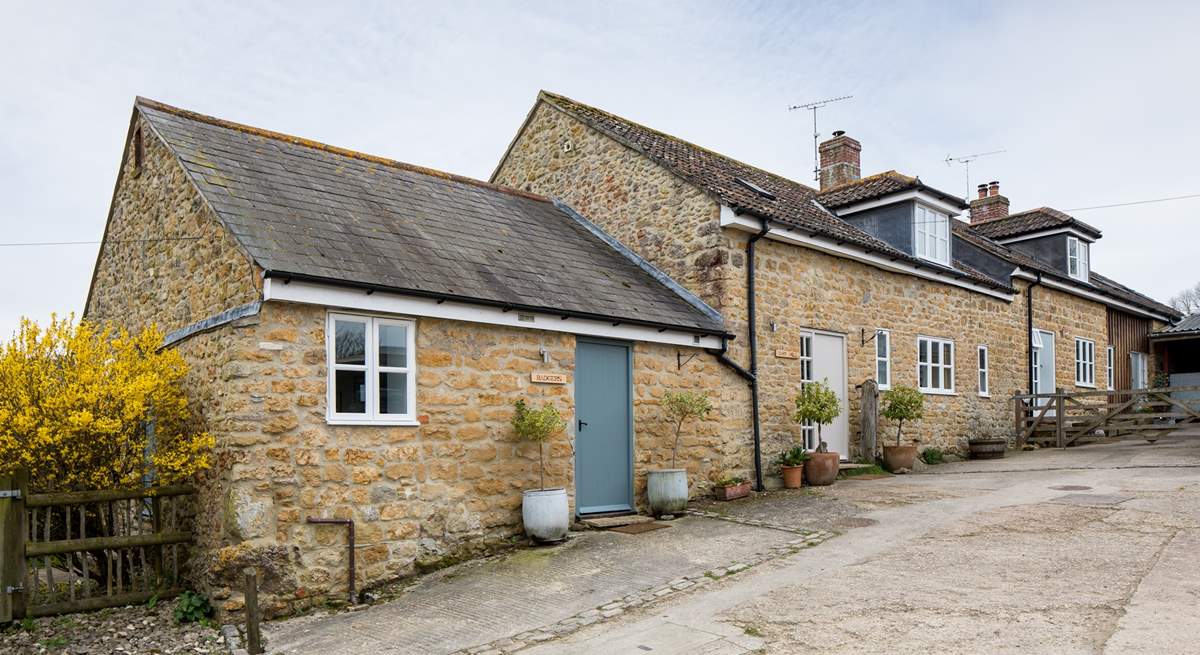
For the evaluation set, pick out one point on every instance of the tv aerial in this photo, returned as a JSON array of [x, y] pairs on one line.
[[814, 106], [966, 160]]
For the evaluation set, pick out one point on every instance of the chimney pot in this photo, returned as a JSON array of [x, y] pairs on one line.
[[983, 190], [993, 188], [840, 159]]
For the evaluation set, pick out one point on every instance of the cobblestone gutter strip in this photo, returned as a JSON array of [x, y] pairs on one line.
[[651, 595], [232, 640]]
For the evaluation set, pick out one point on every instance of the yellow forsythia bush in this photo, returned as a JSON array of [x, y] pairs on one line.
[[75, 399]]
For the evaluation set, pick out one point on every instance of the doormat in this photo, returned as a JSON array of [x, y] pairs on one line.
[[638, 528]]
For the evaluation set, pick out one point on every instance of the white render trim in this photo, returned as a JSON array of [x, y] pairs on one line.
[[388, 303], [915, 194], [830, 246], [1105, 300], [1047, 233]]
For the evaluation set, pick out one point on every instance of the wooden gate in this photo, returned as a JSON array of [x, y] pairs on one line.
[[1062, 419], [75, 551]]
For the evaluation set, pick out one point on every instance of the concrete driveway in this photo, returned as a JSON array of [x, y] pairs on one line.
[[1088, 550]]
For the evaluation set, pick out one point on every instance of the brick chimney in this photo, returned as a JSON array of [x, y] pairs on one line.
[[990, 204], [839, 160]]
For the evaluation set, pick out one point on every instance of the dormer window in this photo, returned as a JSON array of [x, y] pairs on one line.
[[1077, 258], [931, 236]]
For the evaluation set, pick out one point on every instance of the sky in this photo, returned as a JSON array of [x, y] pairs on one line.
[[1093, 103]]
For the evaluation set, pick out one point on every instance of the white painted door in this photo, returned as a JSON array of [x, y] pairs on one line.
[[823, 358], [1043, 362]]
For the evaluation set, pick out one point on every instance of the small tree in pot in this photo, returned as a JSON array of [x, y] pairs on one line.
[[900, 404], [819, 404], [667, 489], [544, 511]]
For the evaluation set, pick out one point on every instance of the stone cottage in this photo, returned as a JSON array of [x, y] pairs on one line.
[[358, 330], [864, 278]]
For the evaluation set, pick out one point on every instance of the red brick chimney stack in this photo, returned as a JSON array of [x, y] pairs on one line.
[[840, 160], [990, 204]]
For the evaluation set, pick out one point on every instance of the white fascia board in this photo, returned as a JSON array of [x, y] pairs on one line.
[[915, 194], [1047, 233], [388, 303], [730, 219], [1084, 293]]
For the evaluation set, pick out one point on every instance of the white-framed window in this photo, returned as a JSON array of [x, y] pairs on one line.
[[372, 370], [1138, 370], [931, 235], [1109, 356], [1085, 362], [984, 389], [1077, 258], [883, 358], [935, 365], [808, 429]]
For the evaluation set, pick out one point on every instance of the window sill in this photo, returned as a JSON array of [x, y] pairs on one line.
[[1085, 386], [377, 422], [985, 395], [938, 392]]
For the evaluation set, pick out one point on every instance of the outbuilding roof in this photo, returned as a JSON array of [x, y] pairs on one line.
[[784, 202], [308, 210], [1188, 326], [1030, 221]]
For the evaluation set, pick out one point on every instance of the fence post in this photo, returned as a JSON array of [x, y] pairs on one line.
[[12, 544], [868, 413], [1018, 428], [1060, 421], [253, 633]]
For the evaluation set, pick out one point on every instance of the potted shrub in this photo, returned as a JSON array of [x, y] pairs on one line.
[[667, 489], [731, 487], [818, 403], [544, 511], [900, 404], [791, 466]]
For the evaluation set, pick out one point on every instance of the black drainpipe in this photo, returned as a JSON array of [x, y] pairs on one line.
[[752, 330], [1029, 329]]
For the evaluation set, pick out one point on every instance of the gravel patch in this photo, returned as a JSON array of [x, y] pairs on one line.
[[118, 630]]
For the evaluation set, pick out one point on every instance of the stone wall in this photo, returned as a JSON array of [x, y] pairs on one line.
[[420, 496], [166, 259], [1069, 316]]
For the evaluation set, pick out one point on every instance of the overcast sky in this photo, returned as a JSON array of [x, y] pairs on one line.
[[1095, 103]]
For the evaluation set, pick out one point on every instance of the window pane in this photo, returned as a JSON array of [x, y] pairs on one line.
[[936, 373], [982, 358], [924, 376], [393, 345], [934, 354], [982, 382], [350, 342], [393, 393], [882, 372], [349, 393], [923, 351], [947, 354], [881, 344]]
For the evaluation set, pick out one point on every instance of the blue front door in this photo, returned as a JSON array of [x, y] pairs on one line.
[[603, 428]]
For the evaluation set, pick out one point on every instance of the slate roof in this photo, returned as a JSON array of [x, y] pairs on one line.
[[308, 210], [878, 186], [1122, 292], [790, 205], [1033, 220], [1188, 325]]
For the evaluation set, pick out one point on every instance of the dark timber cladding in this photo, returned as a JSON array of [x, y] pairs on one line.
[[1126, 333]]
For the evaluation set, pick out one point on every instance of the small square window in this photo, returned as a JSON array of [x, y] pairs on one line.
[[935, 365], [371, 370]]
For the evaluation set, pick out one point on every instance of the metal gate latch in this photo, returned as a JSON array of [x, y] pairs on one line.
[[10, 493]]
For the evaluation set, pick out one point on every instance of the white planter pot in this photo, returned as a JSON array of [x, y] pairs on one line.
[[545, 514], [667, 491]]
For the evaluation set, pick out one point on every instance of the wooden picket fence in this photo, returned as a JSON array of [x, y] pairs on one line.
[[76, 551], [1061, 419]]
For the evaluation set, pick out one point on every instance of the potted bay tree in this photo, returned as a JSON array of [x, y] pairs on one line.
[[901, 403], [819, 404], [667, 489], [544, 512]]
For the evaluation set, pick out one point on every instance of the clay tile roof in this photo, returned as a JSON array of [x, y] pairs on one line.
[[1033, 220], [786, 203], [306, 209], [878, 186]]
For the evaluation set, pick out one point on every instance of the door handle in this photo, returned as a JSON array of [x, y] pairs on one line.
[[582, 424]]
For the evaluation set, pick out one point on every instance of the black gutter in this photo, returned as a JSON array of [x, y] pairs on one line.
[[722, 357], [752, 330], [1029, 328], [506, 306]]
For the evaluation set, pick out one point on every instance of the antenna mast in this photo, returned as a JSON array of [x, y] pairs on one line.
[[966, 160], [814, 106]]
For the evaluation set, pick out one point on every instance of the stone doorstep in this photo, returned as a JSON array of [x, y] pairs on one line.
[[606, 522], [850, 466]]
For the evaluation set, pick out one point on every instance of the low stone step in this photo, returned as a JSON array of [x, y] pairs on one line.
[[850, 466], [606, 522]]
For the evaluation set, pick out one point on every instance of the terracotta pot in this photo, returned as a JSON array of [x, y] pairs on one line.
[[793, 476], [822, 469], [899, 457], [732, 491], [988, 448]]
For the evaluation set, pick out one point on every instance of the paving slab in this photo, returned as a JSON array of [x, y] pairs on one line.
[[479, 602]]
